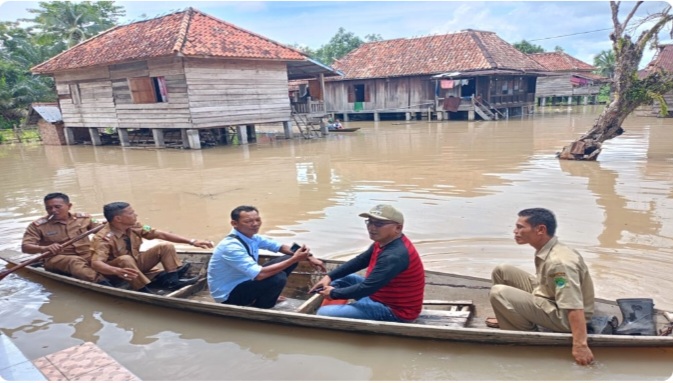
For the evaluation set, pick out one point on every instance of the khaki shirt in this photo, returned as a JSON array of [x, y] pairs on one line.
[[563, 277], [108, 246], [45, 232]]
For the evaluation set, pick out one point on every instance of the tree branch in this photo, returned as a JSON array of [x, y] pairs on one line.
[[633, 12], [647, 35], [615, 19]]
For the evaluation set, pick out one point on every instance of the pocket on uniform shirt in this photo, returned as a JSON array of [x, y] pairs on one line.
[[545, 304]]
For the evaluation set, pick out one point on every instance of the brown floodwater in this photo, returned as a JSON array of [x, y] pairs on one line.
[[459, 184]]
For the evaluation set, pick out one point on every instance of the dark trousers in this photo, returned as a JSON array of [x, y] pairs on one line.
[[264, 293]]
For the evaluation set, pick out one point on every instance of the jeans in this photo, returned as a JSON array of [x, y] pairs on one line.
[[264, 293], [363, 308]]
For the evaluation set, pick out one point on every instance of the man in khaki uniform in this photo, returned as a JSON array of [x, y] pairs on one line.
[[48, 232], [116, 251], [560, 297]]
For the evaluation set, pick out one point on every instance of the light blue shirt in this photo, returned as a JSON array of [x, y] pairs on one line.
[[231, 264]]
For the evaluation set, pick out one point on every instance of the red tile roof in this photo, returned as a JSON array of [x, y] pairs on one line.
[[561, 62], [467, 50], [189, 32], [663, 59]]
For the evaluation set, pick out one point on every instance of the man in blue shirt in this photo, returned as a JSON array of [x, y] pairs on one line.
[[234, 275]]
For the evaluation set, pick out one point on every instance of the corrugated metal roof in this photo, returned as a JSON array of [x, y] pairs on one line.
[[49, 112]]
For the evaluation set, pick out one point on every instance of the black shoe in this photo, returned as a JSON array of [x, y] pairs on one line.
[[105, 282], [173, 282], [145, 290], [182, 270]]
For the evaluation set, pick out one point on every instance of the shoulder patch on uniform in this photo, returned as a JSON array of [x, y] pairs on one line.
[[82, 215], [560, 282], [40, 221], [147, 227]]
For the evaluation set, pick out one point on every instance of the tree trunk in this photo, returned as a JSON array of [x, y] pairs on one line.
[[608, 124]]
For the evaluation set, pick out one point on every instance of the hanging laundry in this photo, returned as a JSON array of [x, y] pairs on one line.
[[451, 104], [447, 84]]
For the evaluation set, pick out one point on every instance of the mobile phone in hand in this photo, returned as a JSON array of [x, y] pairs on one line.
[[295, 247]]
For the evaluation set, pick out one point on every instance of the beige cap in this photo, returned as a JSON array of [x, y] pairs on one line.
[[385, 212]]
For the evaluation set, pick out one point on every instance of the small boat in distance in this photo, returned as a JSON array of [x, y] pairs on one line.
[[455, 307], [342, 130]]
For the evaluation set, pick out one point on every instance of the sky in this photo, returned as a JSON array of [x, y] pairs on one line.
[[581, 28]]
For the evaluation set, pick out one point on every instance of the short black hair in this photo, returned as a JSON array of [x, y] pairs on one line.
[[51, 196], [236, 213], [540, 216], [113, 209]]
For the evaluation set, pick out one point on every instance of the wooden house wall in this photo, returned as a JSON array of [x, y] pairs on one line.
[[96, 104], [560, 86], [235, 92], [656, 106], [398, 93], [171, 114]]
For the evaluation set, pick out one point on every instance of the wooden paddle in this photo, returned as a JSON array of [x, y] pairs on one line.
[[48, 253]]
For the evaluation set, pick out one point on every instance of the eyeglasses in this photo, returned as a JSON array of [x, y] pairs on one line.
[[378, 223]]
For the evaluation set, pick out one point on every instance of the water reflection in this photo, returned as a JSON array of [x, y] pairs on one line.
[[459, 184]]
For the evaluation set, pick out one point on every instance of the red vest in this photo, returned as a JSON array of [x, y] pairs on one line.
[[404, 293]]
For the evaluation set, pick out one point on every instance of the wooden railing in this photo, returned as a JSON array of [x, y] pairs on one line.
[[309, 107], [512, 98]]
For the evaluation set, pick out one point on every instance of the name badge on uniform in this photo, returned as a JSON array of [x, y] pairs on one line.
[[51, 233]]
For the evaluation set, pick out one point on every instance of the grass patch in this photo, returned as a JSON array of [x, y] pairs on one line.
[[28, 135]]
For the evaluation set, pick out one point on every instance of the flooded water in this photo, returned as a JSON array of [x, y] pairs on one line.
[[459, 184]]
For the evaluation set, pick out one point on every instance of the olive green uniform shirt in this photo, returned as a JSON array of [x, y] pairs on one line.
[[563, 277]]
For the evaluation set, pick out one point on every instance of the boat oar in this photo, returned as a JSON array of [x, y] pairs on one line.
[[69, 242]]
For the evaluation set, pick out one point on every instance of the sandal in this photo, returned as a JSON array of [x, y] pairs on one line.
[[492, 323]]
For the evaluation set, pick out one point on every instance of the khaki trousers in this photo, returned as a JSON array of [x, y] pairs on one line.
[[516, 308], [149, 263], [72, 265]]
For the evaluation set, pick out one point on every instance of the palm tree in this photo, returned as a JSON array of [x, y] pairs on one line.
[[72, 23], [605, 63]]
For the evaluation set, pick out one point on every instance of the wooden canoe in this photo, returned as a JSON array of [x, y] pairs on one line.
[[455, 308], [343, 130]]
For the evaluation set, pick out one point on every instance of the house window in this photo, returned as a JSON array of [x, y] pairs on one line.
[[74, 94], [358, 93], [148, 90]]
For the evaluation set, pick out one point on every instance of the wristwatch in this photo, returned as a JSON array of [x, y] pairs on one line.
[[192, 242]]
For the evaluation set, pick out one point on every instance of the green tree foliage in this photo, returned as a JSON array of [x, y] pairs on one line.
[[71, 23], [559, 49], [373, 37], [605, 63], [55, 27], [339, 45], [528, 48]]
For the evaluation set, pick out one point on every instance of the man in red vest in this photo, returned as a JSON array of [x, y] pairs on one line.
[[392, 288]]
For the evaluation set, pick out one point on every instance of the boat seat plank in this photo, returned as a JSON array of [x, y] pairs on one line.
[[456, 318]]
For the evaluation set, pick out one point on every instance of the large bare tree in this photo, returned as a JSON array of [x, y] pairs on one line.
[[630, 91]]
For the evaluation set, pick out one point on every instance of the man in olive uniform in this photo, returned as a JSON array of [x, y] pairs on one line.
[[116, 251], [560, 297], [48, 232]]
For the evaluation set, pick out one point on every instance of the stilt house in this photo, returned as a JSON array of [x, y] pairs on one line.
[[663, 60], [448, 76], [570, 80], [185, 72]]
